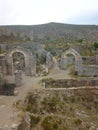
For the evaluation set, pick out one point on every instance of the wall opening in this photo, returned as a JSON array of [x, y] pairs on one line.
[[18, 61]]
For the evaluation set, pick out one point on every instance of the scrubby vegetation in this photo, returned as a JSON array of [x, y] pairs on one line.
[[55, 37], [96, 44], [58, 110]]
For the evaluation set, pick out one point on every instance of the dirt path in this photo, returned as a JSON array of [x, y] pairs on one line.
[[8, 113]]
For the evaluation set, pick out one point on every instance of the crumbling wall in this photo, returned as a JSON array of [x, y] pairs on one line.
[[67, 83], [49, 61], [89, 70], [7, 89], [30, 64]]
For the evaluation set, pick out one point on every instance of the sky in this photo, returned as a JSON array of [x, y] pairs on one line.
[[32, 12]]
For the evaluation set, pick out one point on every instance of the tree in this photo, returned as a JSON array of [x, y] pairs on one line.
[[96, 44], [80, 40]]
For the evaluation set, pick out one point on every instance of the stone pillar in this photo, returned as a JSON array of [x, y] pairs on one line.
[[49, 60], [78, 66], [63, 62], [18, 77], [97, 59], [33, 65], [9, 63], [2, 67]]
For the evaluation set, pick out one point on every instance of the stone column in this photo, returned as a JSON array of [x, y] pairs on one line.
[[97, 59], [78, 66], [63, 62], [49, 60], [18, 77]]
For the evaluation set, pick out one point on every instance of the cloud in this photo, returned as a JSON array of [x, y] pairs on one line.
[[43, 11]]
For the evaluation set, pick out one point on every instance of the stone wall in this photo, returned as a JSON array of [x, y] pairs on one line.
[[7, 89], [30, 62], [3, 47], [67, 83], [89, 70], [78, 60], [85, 66], [49, 61], [2, 65], [18, 77], [89, 60]]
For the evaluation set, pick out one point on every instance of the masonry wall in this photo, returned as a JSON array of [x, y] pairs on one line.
[[67, 83], [89, 70], [49, 61]]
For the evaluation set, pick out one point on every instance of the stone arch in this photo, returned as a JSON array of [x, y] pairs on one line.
[[18, 61], [78, 60], [28, 57]]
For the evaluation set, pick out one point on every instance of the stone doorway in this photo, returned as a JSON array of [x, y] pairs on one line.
[[18, 61], [74, 57]]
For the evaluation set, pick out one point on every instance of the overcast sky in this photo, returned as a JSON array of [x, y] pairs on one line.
[[31, 12]]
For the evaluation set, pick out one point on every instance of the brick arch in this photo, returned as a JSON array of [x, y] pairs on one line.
[[78, 60], [28, 57]]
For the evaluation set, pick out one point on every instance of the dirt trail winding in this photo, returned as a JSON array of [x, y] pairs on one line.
[[8, 114]]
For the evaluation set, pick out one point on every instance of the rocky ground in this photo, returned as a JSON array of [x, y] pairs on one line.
[[7, 111], [60, 109], [78, 113]]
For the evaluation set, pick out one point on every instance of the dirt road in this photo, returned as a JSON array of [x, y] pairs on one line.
[[8, 114]]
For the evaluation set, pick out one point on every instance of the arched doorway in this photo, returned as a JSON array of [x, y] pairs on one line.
[[22, 59], [18, 61], [71, 56]]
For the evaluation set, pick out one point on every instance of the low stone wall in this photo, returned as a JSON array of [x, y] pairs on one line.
[[90, 93], [67, 83], [90, 70], [84, 96], [7, 89], [89, 60]]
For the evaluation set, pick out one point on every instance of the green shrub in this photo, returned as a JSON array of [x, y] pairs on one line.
[[96, 44], [95, 76], [75, 73], [20, 127], [80, 40], [50, 104], [34, 120], [49, 123], [77, 122]]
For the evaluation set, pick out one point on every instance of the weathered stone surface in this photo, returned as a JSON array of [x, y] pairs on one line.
[[30, 65], [65, 60], [67, 83], [18, 77], [7, 89], [49, 60], [86, 66], [89, 70]]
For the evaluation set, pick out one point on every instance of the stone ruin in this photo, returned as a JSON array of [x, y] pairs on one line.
[[49, 61], [18, 77], [87, 67], [77, 60], [7, 62], [23, 58]]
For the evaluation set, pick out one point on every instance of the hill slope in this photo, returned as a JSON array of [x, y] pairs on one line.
[[51, 31]]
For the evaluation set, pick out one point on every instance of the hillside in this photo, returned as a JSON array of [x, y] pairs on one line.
[[51, 31], [55, 37]]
